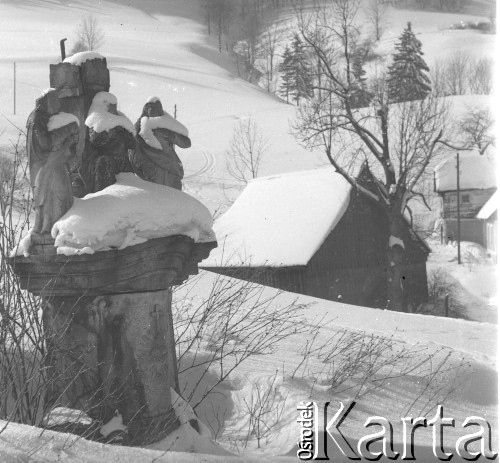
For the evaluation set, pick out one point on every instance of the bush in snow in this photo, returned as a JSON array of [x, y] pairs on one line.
[[90, 35], [245, 151], [219, 327], [23, 380]]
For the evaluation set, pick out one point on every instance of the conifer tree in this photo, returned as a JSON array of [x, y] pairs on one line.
[[359, 95], [287, 72], [408, 74], [302, 71]]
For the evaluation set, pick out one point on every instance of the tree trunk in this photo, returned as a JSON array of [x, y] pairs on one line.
[[395, 262]]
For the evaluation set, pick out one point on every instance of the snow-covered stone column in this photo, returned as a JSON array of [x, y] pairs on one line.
[[106, 280], [104, 265]]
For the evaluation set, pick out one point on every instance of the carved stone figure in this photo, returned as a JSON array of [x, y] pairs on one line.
[[49, 149], [110, 136], [154, 158]]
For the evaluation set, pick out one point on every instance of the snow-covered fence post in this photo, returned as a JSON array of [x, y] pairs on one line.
[[107, 313]]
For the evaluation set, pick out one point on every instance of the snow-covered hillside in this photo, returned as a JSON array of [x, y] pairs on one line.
[[160, 47]]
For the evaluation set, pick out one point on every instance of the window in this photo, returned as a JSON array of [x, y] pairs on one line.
[[465, 199]]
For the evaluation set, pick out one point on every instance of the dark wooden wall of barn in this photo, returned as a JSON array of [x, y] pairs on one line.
[[291, 279], [351, 263]]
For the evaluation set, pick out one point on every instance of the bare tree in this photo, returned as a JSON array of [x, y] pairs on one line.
[[246, 150], [377, 16], [272, 38], [481, 76], [249, 45], [475, 128], [457, 73], [398, 140], [438, 79], [89, 33]]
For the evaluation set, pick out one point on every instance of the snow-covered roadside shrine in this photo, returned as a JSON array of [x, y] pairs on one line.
[[112, 234]]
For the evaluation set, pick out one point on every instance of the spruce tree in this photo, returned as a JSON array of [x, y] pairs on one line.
[[302, 81], [359, 97], [408, 74], [287, 71]]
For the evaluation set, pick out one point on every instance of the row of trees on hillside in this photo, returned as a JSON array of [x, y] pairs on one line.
[[250, 31], [407, 77], [441, 5], [245, 28]]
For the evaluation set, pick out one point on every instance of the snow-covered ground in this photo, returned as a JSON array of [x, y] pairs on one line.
[[160, 48]]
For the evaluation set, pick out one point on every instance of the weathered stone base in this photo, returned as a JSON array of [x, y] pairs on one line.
[[115, 352]]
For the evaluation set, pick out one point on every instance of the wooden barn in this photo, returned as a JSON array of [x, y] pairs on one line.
[[477, 185], [312, 233]]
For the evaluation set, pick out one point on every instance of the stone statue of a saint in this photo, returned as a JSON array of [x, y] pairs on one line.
[[51, 140], [110, 137], [154, 158]]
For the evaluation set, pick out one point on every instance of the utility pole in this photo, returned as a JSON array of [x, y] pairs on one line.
[[14, 88], [458, 208]]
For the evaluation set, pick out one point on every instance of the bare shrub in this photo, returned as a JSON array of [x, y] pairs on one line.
[[378, 17], [22, 377], [264, 409], [235, 321], [78, 47], [457, 73], [245, 151], [481, 76], [440, 291], [89, 34], [437, 284], [438, 78], [356, 364], [462, 74]]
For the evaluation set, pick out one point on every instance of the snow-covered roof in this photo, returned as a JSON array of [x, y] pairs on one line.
[[476, 172], [79, 58], [60, 120], [490, 207], [281, 220], [130, 212]]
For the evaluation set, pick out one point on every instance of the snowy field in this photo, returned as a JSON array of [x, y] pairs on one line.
[[160, 47]]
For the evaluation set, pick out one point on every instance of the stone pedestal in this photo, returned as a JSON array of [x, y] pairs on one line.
[[109, 328]]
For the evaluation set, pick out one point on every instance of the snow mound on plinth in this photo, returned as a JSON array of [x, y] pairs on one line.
[[130, 212]]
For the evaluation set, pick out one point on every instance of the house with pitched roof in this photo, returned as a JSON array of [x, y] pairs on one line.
[[477, 182], [313, 233]]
